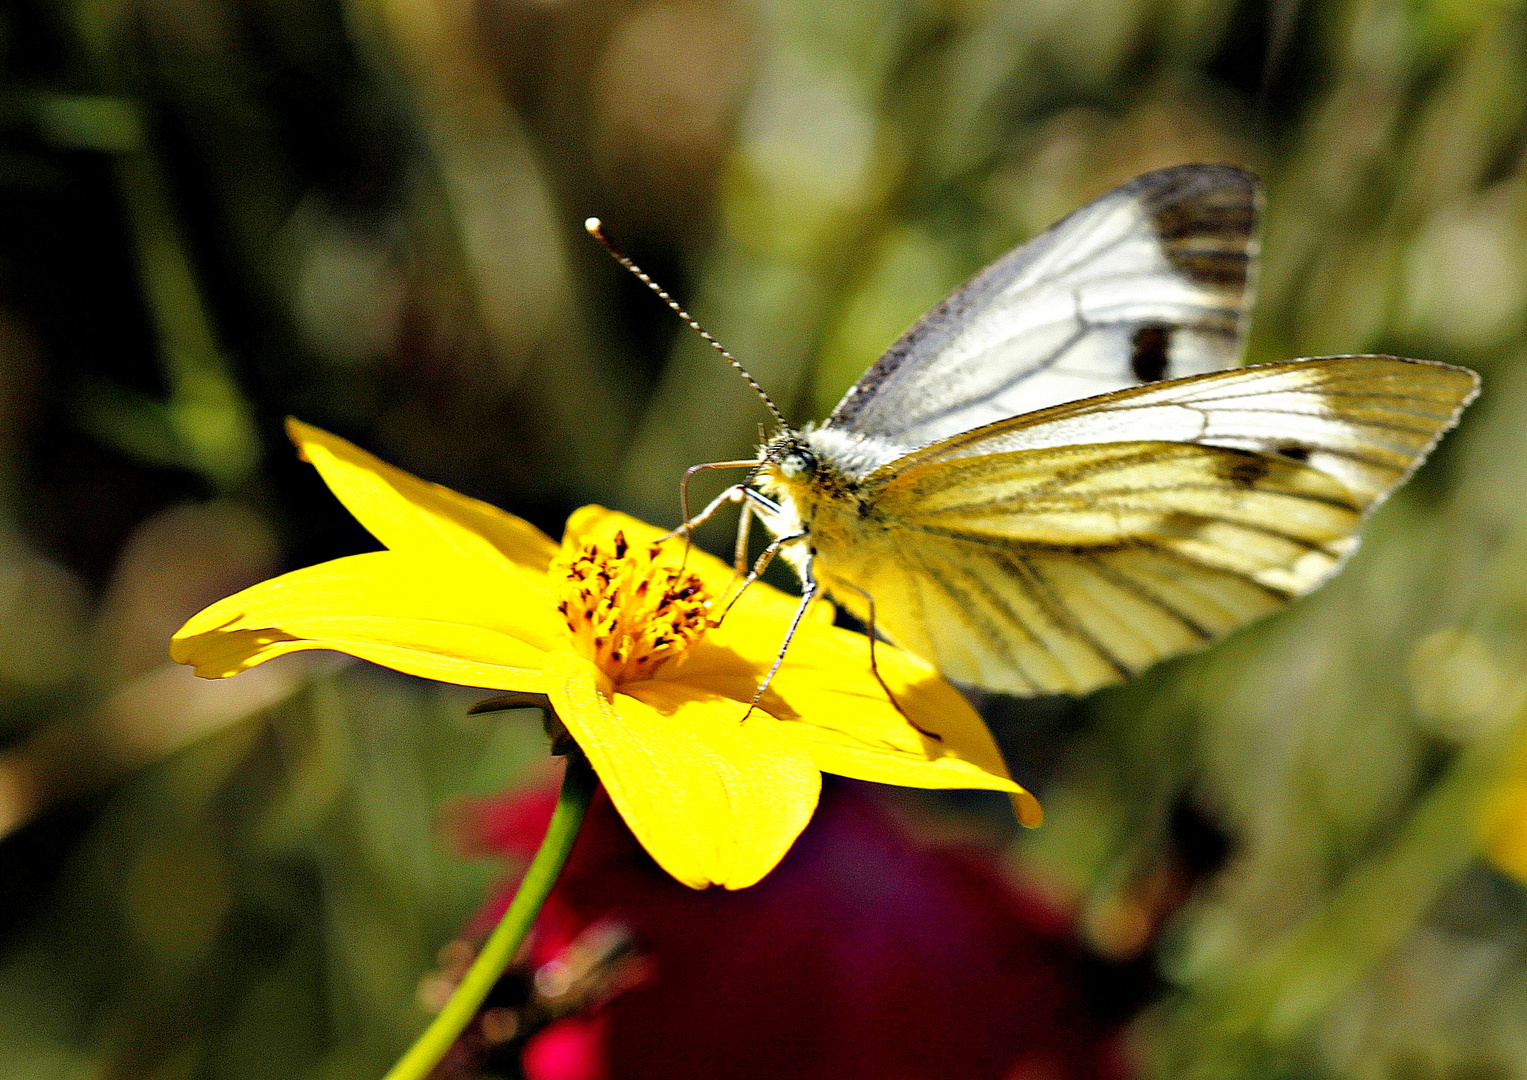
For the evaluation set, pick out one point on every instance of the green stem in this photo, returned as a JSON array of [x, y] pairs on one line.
[[578, 785]]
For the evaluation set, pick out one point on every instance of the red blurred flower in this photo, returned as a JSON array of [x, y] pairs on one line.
[[866, 954]]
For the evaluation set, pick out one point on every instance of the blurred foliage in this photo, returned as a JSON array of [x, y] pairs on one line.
[[217, 213]]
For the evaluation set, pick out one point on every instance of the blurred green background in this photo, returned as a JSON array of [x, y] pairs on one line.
[[216, 213]]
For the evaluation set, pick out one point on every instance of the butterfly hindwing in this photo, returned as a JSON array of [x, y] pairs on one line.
[[1152, 281], [1069, 549], [1364, 420]]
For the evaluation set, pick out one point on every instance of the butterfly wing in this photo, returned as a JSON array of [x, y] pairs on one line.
[[1151, 281], [1366, 421], [1060, 552]]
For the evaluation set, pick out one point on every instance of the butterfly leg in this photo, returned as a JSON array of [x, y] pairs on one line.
[[732, 494], [875, 668], [808, 593], [735, 493], [744, 526], [764, 559]]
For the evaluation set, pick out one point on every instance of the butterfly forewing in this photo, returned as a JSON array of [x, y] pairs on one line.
[[1066, 550], [1152, 281]]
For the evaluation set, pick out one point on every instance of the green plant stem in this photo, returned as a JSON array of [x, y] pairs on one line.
[[578, 785]]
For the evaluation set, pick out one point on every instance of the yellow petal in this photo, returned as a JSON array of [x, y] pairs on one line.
[[490, 631], [841, 715], [756, 626], [714, 799], [595, 524], [411, 515]]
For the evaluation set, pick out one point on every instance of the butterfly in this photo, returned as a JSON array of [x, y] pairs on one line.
[[1057, 478]]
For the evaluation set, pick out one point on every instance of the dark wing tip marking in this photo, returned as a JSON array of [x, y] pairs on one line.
[[1206, 219], [1189, 200]]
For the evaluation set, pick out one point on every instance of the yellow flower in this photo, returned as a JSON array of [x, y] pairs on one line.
[[621, 640]]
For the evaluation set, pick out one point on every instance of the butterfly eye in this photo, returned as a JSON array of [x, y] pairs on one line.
[[797, 462]]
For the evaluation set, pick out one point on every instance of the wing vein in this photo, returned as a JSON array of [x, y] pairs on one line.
[[992, 633], [1111, 543], [1138, 589], [1055, 607]]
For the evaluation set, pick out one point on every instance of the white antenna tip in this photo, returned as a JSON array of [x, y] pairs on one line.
[[592, 225]]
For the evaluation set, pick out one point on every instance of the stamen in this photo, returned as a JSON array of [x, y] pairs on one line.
[[627, 612]]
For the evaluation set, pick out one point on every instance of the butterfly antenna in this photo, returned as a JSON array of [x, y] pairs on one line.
[[596, 230]]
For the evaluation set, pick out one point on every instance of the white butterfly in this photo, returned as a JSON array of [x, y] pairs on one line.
[[961, 501]]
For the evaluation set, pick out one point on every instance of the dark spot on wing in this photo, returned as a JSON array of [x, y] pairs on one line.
[[1294, 452], [1177, 525], [1243, 470], [1148, 352]]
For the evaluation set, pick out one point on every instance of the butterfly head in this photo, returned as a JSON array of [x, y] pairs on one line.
[[788, 469], [788, 457], [796, 462]]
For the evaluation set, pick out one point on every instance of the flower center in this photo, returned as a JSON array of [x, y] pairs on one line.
[[627, 613]]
